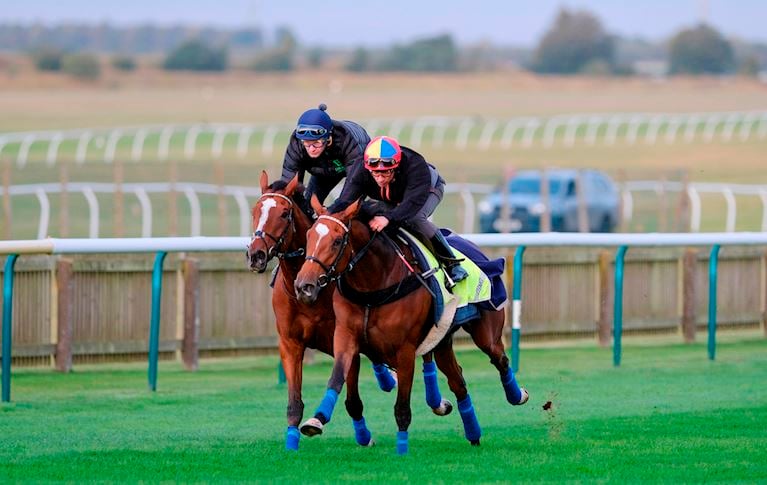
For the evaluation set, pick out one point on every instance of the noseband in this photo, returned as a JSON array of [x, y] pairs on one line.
[[278, 241]]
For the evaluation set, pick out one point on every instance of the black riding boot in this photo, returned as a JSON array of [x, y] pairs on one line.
[[447, 258]]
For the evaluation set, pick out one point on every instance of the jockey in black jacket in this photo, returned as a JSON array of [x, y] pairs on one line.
[[325, 148], [405, 190]]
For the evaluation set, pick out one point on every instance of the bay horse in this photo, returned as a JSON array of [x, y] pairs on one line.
[[279, 231], [337, 245]]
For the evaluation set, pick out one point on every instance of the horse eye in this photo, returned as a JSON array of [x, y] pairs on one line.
[[337, 242], [285, 214]]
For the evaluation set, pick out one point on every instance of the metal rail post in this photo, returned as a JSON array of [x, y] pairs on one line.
[[618, 306], [712, 270], [516, 308], [7, 320], [154, 329]]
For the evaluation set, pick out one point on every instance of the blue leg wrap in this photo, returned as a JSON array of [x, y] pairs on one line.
[[291, 438], [327, 405], [513, 393], [433, 396], [385, 380], [471, 427], [401, 442], [361, 432]]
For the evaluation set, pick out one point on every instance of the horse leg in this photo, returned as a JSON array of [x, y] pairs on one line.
[[386, 381], [292, 354], [449, 366], [487, 334], [354, 405], [438, 405], [402, 412], [345, 351]]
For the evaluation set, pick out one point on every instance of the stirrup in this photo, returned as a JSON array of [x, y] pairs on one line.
[[449, 283]]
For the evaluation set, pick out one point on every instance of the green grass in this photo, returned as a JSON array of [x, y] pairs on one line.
[[667, 414]]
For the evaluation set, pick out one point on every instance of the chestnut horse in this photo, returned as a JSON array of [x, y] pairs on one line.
[[280, 227], [342, 248]]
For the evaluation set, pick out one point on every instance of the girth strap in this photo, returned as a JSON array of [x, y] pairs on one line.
[[379, 297]]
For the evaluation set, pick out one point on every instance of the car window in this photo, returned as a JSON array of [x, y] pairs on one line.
[[602, 185], [532, 186], [570, 188]]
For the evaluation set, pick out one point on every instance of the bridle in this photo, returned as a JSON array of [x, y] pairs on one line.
[[274, 250], [331, 274]]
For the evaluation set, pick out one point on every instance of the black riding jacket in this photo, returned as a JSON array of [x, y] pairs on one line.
[[347, 149], [407, 193]]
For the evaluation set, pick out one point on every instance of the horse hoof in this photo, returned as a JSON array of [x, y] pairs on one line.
[[370, 444], [475, 443], [311, 427], [524, 398], [445, 408]]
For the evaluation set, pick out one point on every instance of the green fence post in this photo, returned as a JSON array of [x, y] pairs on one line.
[[516, 308], [618, 306], [7, 323], [154, 328], [712, 270]]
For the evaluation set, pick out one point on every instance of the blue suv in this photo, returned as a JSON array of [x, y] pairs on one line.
[[525, 205]]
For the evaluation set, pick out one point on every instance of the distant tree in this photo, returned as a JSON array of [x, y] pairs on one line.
[[479, 57], [48, 59], [701, 50], [194, 55], [435, 54], [749, 67], [314, 57], [360, 60], [247, 38], [285, 39], [574, 43], [282, 56], [81, 66], [124, 63], [274, 60]]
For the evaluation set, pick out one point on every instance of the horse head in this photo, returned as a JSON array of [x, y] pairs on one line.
[[327, 250], [274, 222]]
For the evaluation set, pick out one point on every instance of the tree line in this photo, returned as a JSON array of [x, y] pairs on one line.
[[575, 43]]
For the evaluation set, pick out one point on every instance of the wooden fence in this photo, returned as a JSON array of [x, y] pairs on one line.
[[94, 308]]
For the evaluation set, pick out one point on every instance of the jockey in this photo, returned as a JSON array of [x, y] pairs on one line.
[[405, 190], [325, 148]]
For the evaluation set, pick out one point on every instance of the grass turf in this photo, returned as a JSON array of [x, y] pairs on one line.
[[667, 414]]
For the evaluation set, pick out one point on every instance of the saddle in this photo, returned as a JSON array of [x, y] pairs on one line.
[[482, 290]]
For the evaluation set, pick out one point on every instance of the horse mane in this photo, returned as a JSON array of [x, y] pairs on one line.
[[298, 196]]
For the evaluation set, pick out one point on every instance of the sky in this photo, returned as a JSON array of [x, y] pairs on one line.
[[334, 23]]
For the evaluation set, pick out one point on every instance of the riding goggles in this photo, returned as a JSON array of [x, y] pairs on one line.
[[381, 163], [311, 132]]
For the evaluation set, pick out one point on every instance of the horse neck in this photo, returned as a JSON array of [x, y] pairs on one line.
[[297, 241], [379, 259]]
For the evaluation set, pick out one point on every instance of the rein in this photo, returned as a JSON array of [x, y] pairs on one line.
[[331, 273]]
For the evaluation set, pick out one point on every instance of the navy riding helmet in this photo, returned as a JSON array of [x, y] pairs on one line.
[[314, 124]]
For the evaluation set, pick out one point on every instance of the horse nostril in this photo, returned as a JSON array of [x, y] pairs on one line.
[[260, 257], [305, 289]]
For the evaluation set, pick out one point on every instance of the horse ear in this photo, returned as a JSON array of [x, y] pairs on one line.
[[353, 209], [291, 187], [317, 206], [264, 182]]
